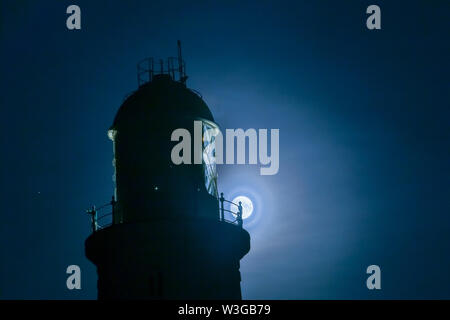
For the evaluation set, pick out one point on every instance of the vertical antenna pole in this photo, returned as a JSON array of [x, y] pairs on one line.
[[168, 66], [180, 63], [173, 69]]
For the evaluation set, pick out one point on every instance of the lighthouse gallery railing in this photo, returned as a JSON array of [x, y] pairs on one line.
[[102, 216]]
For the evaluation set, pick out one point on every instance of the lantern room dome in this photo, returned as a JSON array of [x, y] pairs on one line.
[[161, 98]]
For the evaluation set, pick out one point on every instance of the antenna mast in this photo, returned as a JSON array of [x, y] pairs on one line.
[[181, 68]]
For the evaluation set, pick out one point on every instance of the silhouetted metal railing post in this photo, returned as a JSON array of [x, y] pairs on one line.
[[93, 214], [222, 215], [113, 205], [239, 215]]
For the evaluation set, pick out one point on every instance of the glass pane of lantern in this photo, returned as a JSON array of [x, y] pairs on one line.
[[209, 160]]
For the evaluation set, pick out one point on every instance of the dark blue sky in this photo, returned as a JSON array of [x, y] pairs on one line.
[[364, 136]]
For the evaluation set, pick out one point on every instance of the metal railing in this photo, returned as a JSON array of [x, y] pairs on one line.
[[99, 217], [148, 68], [238, 214], [101, 220]]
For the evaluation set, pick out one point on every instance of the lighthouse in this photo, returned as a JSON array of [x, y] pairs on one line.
[[165, 235]]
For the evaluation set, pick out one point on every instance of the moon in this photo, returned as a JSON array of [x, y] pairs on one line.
[[247, 206]]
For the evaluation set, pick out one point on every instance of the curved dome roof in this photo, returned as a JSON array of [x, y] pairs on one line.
[[162, 97]]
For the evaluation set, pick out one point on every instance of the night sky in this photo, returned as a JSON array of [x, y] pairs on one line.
[[364, 136]]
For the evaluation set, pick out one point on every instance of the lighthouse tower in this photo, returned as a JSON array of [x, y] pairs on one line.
[[166, 238]]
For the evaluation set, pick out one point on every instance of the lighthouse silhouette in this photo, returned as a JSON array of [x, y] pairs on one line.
[[165, 235]]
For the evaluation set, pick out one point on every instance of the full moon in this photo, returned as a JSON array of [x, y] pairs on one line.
[[247, 206]]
